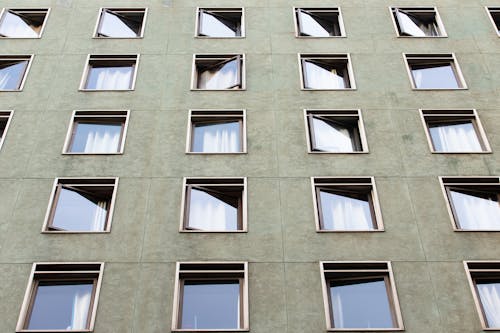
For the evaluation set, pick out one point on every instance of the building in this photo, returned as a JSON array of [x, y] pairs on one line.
[[352, 178]]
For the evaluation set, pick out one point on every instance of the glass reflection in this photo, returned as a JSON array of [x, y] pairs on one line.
[[457, 136], [109, 77], [476, 211], [217, 137], [11, 74], [436, 76], [211, 210], [345, 212], [96, 137]]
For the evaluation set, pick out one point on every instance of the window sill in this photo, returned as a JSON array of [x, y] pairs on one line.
[[423, 37], [3, 37], [105, 90], [90, 154], [479, 230], [207, 37], [438, 89], [97, 37], [365, 329], [349, 231], [338, 153], [460, 152], [201, 153], [340, 89], [239, 89], [319, 37], [211, 330], [213, 231], [74, 232]]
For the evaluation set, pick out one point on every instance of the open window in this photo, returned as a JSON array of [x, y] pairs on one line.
[[417, 22], [319, 22], [61, 297], [335, 131], [216, 132], [211, 296], [454, 131], [473, 202], [219, 72], [96, 132], [81, 205], [13, 71], [494, 14], [214, 205], [360, 296], [5, 117], [326, 72], [434, 71], [23, 23], [110, 72], [220, 23], [346, 204], [121, 23]]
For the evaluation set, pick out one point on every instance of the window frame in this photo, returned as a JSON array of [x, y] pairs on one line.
[[92, 115], [365, 267], [95, 35], [40, 9], [346, 181], [425, 9], [328, 56], [69, 272], [489, 10], [465, 182], [440, 58], [188, 183], [109, 57], [5, 114], [20, 57], [79, 181], [223, 114], [455, 115], [221, 9], [351, 113], [337, 9], [213, 271], [222, 58]]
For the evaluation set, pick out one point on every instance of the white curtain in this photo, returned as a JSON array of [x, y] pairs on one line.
[[211, 26], [220, 139], [344, 213], [490, 299], [224, 77], [98, 142], [330, 138], [81, 304], [209, 213], [338, 310], [317, 77], [14, 26], [113, 78], [476, 213], [100, 214], [10, 76], [413, 27], [455, 138], [435, 77], [113, 26], [311, 27]]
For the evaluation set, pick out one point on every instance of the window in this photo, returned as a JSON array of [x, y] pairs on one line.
[[23, 23], [335, 131], [219, 72], [434, 71], [326, 71], [5, 117], [418, 22], [473, 203], [454, 131], [211, 296], [346, 204], [319, 22], [216, 131], [484, 280], [96, 132], [494, 14], [81, 205], [214, 205], [13, 71], [120, 23], [220, 23], [360, 296], [110, 72], [62, 297]]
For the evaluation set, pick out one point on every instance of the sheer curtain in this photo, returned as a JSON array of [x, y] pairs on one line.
[[81, 304], [344, 213], [413, 27], [206, 212], [328, 137], [211, 26], [309, 26], [14, 26], [476, 213], [490, 299], [455, 138], [10, 76], [100, 214], [98, 142], [112, 78], [224, 77], [317, 77], [220, 139], [114, 26]]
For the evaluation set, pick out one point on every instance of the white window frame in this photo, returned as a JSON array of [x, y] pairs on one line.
[[42, 29], [488, 12], [123, 9], [450, 57], [455, 113], [109, 57], [222, 9], [222, 57], [94, 114], [339, 56], [21, 57], [439, 21], [328, 9], [5, 114]]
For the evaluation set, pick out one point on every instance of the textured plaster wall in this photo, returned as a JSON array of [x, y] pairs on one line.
[[281, 245]]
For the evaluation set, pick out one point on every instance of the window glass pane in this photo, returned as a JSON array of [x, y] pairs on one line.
[[62, 306], [344, 212], [489, 294], [311, 25], [413, 25], [476, 211], [225, 76], [211, 305], [114, 25], [214, 137], [213, 25], [320, 77], [11, 74], [457, 136], [362, 303], [14, 25], [109, 78], [96, 138], [331, 137], [79, 211], [208, 212], [3, 125], [436, 76]]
